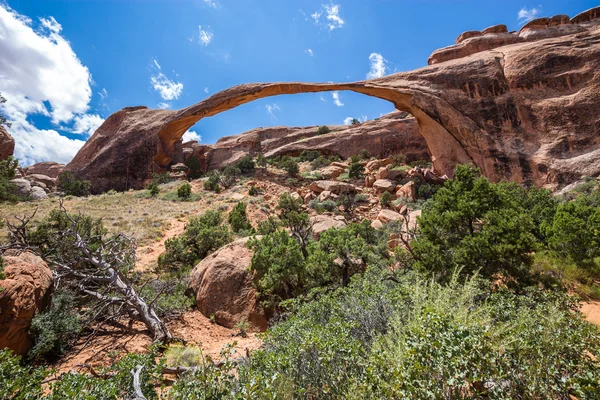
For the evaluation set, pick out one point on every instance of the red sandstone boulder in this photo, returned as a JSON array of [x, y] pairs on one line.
[[7, 144], [225, 289], [321, 223], [48, 168], [25, 291], [334, 187]]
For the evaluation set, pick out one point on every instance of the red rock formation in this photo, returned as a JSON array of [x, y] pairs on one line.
[[522, 107], [7, 144], [25, 291], [48, 168]]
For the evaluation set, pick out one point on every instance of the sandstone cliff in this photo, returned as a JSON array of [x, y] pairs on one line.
[[7, 144], [524, 109]]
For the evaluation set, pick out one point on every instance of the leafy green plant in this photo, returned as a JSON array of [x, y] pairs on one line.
[[161, 178], [72, 186], [267, 226], [290, 166], [153, 190], [323, 130], [261, 161], [8, 169], [253, 191], [230, 176], [323, 206], [238, 219], [356, 170], [245, 164], [212, 182], [184, 191], [19, 381], [386, 199], [309, 155]]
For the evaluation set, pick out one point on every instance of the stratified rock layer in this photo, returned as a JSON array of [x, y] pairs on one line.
[[524, 110]]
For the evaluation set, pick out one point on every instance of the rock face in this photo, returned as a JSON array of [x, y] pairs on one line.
[[224, 287], [48, 168], [25, 291], [522, 107], [7, 144], [321, 223]]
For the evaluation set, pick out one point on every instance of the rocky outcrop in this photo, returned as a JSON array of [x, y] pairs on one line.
[[520, 106], [7, 144], [322, 223], [224, 287], [47, 168], [25, 291]]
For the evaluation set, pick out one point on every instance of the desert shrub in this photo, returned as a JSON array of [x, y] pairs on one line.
[[290, 166], [184, 191], [323, 206], [398, 159], [169, 294], [161, 178], [261, 161], [202, 235], [230, 176], [53, 330], [386, 199], [474, 224], [70, 185], [278, 266], [195, 169], [354, 121], [245, 164], [267, 226], [309, 155], [356, 170], [153, 189], [420, 163], [19, 381], [323, 130], [312, 175], [426, 190], [183, 356], [319, 162], [364, 154], [295, 219], [253, 191], [212, 182], [238, 219], [8, 169]]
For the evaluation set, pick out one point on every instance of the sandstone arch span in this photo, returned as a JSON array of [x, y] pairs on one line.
[[524, 109]]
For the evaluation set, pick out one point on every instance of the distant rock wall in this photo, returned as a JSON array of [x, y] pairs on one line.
[[7, 144]]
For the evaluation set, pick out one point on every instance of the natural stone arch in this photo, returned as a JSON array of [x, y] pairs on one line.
[[446, 150]]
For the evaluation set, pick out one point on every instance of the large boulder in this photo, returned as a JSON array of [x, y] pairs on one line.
[[50, 169], [224, 287], [334, 187], [22, 187], [45, 180], [386, 216], [7, 144], [25, 291], [384, 185], [321, 223]]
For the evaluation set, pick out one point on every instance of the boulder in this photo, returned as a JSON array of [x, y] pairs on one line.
[[296, 196], [49, 168], [331, 172], [408, 191], [321, 223], [324, 195], [7, 144], [467, 35], [369, 181], [37, 193], [179, 171], [25, 291], [374, 165], [339, 165], [48, 182], [382, 173], [386, 216], [22, 187], [332, 186], [384, 185], [376, 224], [495, 29], [224, 287]]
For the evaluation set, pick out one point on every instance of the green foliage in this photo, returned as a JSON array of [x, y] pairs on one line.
[[153, 189], [386, 199], [169, 294], [253, 191], [267, 226], [398, 159], [184, 191], [309, 155], [295, 219], [202, 235], [194, 165], [474, 224], [8, 169], [161, 178], [354, 121], [364, 154], [19, 381], [70, 185], [3, 120], [245, 164], [261, 161], [183, 356], [323, 206], [238, 219], [290, 166], [323, 130], [356, 170], [212, 182], [54, 329], [230, 176]]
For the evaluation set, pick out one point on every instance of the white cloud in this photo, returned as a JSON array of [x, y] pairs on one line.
[[322, 99], [378, 66], [205, 90], [526, 15], [86, 124], [164, 105], [205, 36], [41, 74], [348, 121], [336, 99], [191, 135], [332, 16], [211, 3], [271, 108], [167, 88], [103, 94]]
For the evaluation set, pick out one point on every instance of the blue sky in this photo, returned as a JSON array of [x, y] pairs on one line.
[[65, 65]]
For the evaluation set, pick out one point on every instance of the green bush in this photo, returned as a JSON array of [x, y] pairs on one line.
[[8, 169], [261, 161], [184, 191], [202, 235], [19, 381], [212, 182], [290, 166], [253, 191], [245, 164], [195, 169], [267, 226], [153, 189], [161, 178], [230, 176], [356, 170], [364, 154], [323, 206], [323, 130], [70, 185], [53, 330], [238, 219], [386, 199], [309, 155], [398, 159]]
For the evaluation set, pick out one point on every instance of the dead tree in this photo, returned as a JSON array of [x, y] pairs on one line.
[[96, 265]]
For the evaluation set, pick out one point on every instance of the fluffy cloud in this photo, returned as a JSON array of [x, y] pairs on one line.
[[271, 108], [206, 90], [191, 135], [309, 52], [378, 66], [336, 99], [164, 105], [41, 74], [167, 88], [211, 3], [205, 36], [332, 17], [348, 120], [526, 15]]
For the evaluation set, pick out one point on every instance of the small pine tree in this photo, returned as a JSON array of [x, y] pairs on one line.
[[356, 170], [238, 219], [290, 166], [386, 198], [323, 130], [184, 191], [154, 190]]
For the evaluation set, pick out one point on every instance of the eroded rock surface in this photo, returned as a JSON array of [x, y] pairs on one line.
[[49, 168], [522, 107], [7, 144]]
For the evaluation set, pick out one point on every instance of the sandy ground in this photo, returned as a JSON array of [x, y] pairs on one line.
[[591, 310]]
